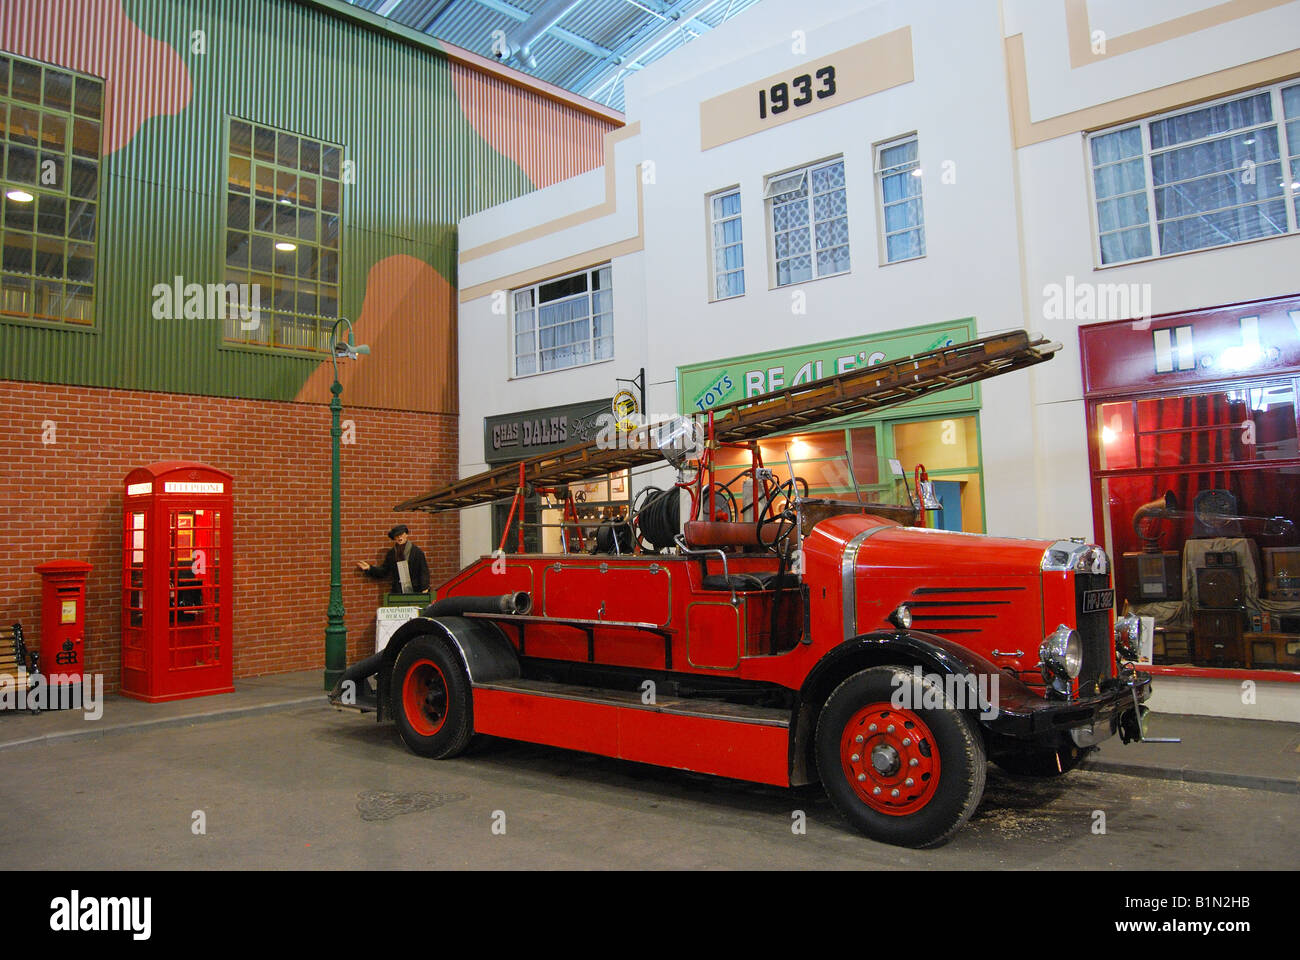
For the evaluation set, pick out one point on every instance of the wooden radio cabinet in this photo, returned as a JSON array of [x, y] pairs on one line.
[[1219, 636]]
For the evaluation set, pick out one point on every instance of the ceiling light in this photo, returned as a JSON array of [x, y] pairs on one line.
[[20, 196], [286, 246]]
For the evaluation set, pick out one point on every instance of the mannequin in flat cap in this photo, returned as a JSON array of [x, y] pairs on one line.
[[404, 565]]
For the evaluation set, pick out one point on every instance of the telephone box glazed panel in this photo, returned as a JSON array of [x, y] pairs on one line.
[[176, 573]]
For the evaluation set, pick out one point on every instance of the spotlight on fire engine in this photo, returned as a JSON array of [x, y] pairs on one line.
[[679, 440], [901, 618], [1061, 656]]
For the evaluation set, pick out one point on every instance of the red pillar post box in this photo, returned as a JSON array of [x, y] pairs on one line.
[[176, 573], [63, 624]]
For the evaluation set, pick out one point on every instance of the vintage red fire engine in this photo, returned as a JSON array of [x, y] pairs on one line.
[[792, 641]]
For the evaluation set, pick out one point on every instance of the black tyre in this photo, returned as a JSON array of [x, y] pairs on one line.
[[909, 775], [431, 699], [1041, 763]]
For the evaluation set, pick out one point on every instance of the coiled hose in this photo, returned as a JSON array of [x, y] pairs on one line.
[[656, 515]]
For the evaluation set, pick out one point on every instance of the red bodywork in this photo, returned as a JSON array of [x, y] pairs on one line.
[[654, 613]]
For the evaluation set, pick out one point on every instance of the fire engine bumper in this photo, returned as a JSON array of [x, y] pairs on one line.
[[1083, 723]]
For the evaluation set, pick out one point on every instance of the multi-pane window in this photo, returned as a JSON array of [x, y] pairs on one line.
[[1218, 174], [902, 216], [564, 322], [728, 251], [810, 222], [50, 121], [282, 236]]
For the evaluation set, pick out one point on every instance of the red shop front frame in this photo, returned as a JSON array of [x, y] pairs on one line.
[[1202, 400]]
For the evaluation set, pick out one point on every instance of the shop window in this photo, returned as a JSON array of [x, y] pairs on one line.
[[851, 464], [948, 449], [1199, 495], [564, 322], [282, 235], [901, 213], [808, 211], [1218, 174], [50, 134], [728, 263], [552, 527], [1243, 425]]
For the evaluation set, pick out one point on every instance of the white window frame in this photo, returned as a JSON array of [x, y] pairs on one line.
[[535, 289], [883, 234], [713, 222], [785, 182], [1286, 151]]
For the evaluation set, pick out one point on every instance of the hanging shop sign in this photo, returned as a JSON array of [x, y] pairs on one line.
[[1260, 338], [513, 436], [702, 386], [625, 408]]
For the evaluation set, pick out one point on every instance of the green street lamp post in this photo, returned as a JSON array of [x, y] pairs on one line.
[[336, 633]]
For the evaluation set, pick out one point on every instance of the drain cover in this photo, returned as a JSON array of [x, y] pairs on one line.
[[385, 804]]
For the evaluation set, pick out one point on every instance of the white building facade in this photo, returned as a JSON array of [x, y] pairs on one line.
[[813, 187]]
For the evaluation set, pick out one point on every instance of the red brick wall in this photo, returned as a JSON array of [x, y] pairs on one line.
[[64, 500]]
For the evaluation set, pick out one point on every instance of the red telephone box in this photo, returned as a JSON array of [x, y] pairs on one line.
[[63, 622], [176, 573]]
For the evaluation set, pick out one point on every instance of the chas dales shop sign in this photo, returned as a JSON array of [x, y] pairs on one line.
[[514, 436], [703, 386]]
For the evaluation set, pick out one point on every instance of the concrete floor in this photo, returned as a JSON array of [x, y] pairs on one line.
[[308, 787]]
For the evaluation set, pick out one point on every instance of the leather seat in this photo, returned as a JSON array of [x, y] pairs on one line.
[[737, 581], [750, 581]]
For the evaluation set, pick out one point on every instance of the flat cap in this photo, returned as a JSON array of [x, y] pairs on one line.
[[397, 531]]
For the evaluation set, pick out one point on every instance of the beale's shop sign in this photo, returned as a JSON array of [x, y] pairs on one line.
[[703, 386], [513, 436]]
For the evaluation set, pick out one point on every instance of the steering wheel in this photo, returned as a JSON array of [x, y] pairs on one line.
[[780, 544]]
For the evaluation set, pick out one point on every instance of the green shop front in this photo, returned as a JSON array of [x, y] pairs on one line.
[[874, 457]]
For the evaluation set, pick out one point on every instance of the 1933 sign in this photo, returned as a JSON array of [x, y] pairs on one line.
[[779, 94]]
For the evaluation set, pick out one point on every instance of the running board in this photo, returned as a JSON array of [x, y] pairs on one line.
[[705, 736]]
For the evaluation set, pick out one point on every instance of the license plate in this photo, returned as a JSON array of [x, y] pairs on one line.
[[1096, 600]]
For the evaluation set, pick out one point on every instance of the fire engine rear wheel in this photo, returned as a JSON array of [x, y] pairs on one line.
[[909, 775], [1041, 763], [431, 699]]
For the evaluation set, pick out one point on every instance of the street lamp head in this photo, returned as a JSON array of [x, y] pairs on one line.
[[345, 348], [348, 351]]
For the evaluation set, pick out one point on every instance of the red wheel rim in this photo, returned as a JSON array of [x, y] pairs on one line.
[[890, 759], [424, 697]]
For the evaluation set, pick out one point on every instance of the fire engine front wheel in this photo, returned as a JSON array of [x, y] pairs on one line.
[[431, 699], [897, 760]]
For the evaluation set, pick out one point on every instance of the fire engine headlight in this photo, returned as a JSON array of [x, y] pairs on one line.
[[1062, 650], [901, 617], [1127, 630]]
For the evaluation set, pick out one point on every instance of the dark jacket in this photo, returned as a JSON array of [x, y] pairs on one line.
[[418, 565]]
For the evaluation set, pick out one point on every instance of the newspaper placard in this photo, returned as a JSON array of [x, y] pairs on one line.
[[388, 619]]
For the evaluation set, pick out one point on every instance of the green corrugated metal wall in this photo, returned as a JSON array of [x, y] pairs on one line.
[[389, 103]]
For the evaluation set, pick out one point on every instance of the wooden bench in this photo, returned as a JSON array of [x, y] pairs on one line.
[[16, 665]]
